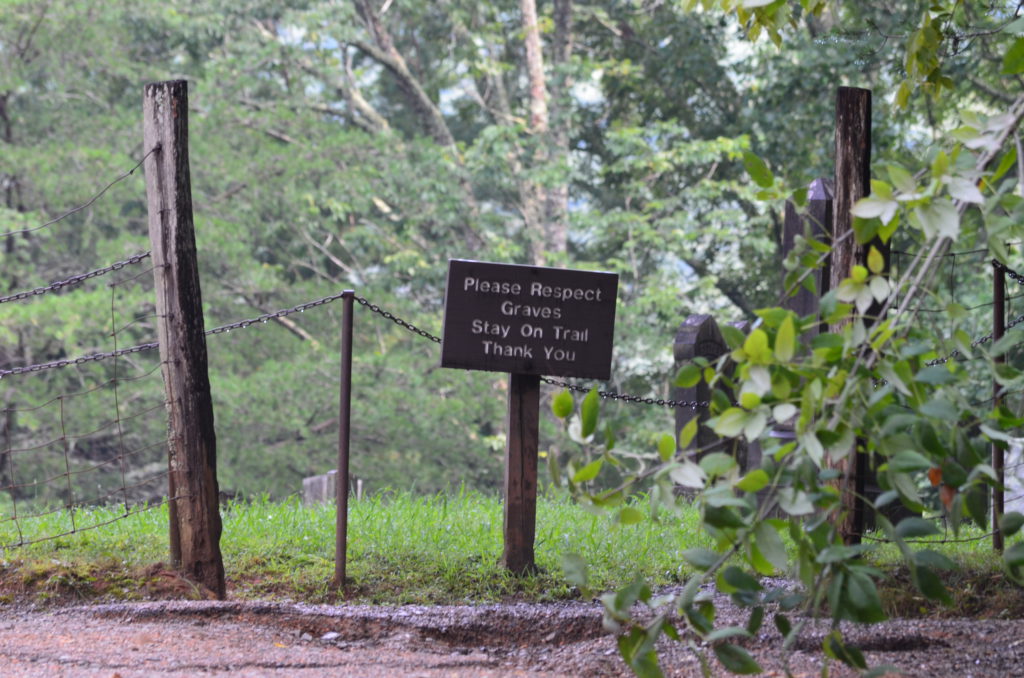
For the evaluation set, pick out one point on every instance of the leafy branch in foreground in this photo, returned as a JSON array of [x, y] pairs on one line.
[[879, 382]]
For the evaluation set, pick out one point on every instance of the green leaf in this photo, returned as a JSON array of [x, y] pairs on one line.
[[915, 527], [688, 376], [562, 404], [630, 516], [938, 219], [873, 206], [1010, 523], [1014, 556], [862, 598], [687, 433], [785, 340], [667, 446], [736, 660], [1013, 60], [588, 472], [909, 461], [738, 580], [575, 568], [928, 583], [783, 624], [758, 170], [717, 463], [701, 559], [876, 262], [588, 413], [835, 648], [795, 502], [726, 632], [933, 559], [770, 544], [754, 481], [756, 347], [730, 423], [689, 474]]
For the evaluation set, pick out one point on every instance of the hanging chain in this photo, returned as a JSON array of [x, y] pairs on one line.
[[1017, 277], [75, 279], [242, 324], [80, 360], [398, 321], [625, 397]]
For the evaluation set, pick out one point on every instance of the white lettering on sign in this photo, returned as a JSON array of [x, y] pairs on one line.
[[572, 335], [485, 327], [559, 354], [565, 293], [520, 351], [530, 332], [491, 286], [544, 312]]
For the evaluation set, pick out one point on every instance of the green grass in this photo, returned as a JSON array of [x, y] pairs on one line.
[[405, 548], [402, 548]]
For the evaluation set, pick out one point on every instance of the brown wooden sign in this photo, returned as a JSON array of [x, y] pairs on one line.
[[529, 319]]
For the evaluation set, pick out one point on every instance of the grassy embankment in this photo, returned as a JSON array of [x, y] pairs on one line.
[[409, 549]]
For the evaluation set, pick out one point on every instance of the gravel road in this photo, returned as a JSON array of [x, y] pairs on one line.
[[257, 640]]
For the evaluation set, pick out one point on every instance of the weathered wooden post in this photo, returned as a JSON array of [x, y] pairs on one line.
[[521, 472], [852, 182], [527, 321], [192, 445]]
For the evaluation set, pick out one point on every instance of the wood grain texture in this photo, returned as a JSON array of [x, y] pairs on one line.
[[521, 473], [191, 436], [852, 182]]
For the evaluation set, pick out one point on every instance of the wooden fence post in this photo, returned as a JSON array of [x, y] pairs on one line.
[[852, 182], [192, 445], [521, 473]]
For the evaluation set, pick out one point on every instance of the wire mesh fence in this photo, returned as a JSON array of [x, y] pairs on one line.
[[93, 432]]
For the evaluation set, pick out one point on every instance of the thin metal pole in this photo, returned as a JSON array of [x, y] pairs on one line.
[[998, 330], [344, 420]]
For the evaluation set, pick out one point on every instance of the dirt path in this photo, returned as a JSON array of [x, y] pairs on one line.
[[186, 639]]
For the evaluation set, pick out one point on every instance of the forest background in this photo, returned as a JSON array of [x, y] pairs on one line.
[[361, 145]]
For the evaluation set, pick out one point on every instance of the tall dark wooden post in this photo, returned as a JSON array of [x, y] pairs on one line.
[[192, 443], [521, 473], [852, 182]]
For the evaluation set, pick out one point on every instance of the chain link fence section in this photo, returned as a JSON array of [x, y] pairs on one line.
[[76, 279]]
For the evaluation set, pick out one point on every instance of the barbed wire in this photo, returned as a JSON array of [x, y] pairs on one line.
[[76, 279], [91, 200]]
